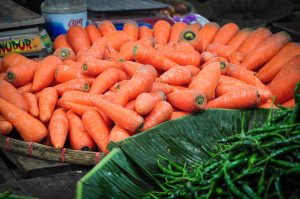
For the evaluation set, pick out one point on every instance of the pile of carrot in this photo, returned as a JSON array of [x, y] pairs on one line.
[[103, 84]]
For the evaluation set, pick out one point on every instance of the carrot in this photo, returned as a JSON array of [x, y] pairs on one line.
[[254, 39], [44, 74], [206, 55], [187, 100], [10, 94], [21, 73], [193, 69], [78, 38], [158, 96], [191, 37], [76, 97], [207, 34], [207, 80], [58, 128], [106, 79], [118, 134], [268, 104], [195, 26], [225, 33], [64, 53], [161, 31], [3, 76], [79, 109], [265, 51], [94, 67], [130, 67], [176, 76], [176, 30], [178, 114], [64, 73], [181, 57], [216, 59], [127, 119], [26, 88], [106, 27], [272, 67], [145, 32], [165, 88], [289, 103], [93, 33], [243, 98], [74, 84], [116, 87], [239, 38], [110, 53], [32, 104], [117, 39], [130, 105], [283, 84], [5, 126], [96, 51], [161, 112], [47, 102], [12, 59], [150, 41], [140, 82], [227, 52], [29, 128], [61, 41], [144, 103], [97, 128], [148, 55], [73, 64], [132, 29], [79, 137]]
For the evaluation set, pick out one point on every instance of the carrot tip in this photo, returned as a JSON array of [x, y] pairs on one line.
[[84, 67], [223, 65], [86, 87], [10, 76], [140, 127], [64, 53], [200, 100], [189, 35]]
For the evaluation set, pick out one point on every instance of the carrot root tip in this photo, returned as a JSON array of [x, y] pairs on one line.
[[10, 76]]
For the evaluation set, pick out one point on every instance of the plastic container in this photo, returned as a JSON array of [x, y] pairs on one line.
[[60, 15]]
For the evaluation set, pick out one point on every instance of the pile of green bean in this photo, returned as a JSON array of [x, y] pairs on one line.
[[261, 163]]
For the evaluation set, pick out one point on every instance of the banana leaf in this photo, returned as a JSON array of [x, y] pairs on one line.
[[128, 170]]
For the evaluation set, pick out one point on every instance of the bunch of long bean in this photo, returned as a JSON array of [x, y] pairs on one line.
[[261, 163]]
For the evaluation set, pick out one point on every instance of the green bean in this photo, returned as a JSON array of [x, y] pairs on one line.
[[285, 142], [278, 187], [284, 164], [248, 171], [268, 186], [293, 170], [261, 181], [162, 168], [250, 191]]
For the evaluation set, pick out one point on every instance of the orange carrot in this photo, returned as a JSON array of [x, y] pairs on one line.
[[61, 41], [283, 84], [254, 39], [239, 38], [178, 76], [97, 128], [32, 104], [74, 84], [106, 27], [79, 137], [207, 34], [193, 69], [178, 114], [187, 100], [76, 97], [192, 37], [96, 51], [3, 76], [206, 55], [5, 126], [106, 79], [29, 128], [93, 33], [148, 55], [94, 67], [227, 52], [161, 112], [73, 64], [195, 26], [145, 32], [243, 98], [12, 59], [47, 102], [268, 104], [78, 38], [176, 30], [116, 87], [117, 39], [161, 31], [265, 51], [118, 134], [45, 72], [64, 73], [158, 96], [132, 29], [10, 94], [165, 88], [140, 82], [144, 103], [26, 88], [58, 128], [130, 67], [21, 73], [181, 57], [289, 103], [272, 67], [64, 53], [130, 105], [150, 41], [225, 34], [110, 53], [79, 109], [207, 80], [127, 119]]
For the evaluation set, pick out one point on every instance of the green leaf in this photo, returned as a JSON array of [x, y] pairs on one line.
[[127, 171]]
